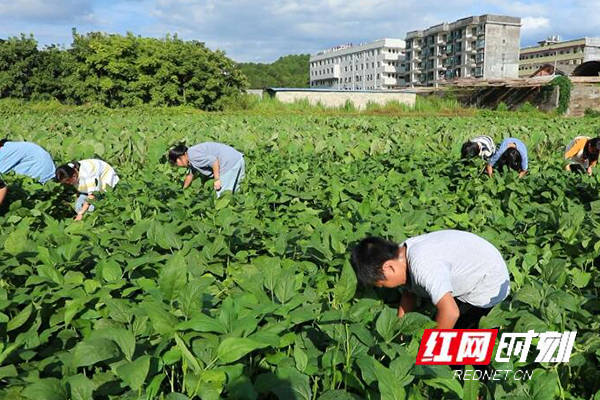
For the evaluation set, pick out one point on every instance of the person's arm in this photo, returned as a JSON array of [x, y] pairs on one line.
[[524, 159], [447, 312], [84, 208], [490, 166], [3, 191], [407, 304], [592, 165], [188, 180], [216, 175]]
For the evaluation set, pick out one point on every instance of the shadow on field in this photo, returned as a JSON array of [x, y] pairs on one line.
[[49, 199]]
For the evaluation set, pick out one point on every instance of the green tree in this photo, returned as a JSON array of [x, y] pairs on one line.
[[287, 71], [119, 71], [18, 57]]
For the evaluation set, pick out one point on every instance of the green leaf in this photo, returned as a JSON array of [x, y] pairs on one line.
[[19, 319], [301, 358], [470, 386], [202, 323], [187, 353], [337, 395], [16, 242], [121, 336], [111, 270], [176, 396], [287, 384], [581, 278], [232, 349], [163, 322], [346, 286], [8, 371], [447, 385], [285, 287], [91, 351], [543, 384], [80, 387], [173, 276], [387, 323], [134, 373], [388, 383], [45, 389]]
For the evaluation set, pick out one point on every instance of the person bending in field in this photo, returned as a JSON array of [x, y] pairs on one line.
[[89, 177], [480, 146], [512, 154], [215, 160], [24, 158], [462, 274], [582, 154]]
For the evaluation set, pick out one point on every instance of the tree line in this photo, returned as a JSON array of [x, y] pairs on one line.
[[288, 71], [119, 71]]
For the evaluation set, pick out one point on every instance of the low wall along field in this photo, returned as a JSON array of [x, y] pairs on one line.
[[339, 99], [163, 291]]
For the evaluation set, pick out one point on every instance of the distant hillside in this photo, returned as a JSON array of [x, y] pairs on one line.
[[287, 71]]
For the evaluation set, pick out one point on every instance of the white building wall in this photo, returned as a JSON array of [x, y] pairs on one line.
[[372, 66]]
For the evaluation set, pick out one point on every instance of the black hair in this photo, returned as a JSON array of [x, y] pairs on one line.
[[3, 141], [177, 152], [469, 149], [594, 145], [66, 171], [368, 257], [511, 158]]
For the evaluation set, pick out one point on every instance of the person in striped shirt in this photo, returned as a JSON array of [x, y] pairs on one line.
[[89, 177], [480, 146], [582, 154]]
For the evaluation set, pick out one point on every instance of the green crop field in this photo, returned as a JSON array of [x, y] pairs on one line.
[[172, 295]]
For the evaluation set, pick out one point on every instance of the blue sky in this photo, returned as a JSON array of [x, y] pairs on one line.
[[263, 30]]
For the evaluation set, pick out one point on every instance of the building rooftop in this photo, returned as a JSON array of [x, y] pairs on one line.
[[351, 47], [590, 41]]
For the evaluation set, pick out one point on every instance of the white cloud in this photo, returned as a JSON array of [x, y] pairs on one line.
[[532, 24]]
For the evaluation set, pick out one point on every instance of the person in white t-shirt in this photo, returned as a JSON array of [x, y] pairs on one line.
[[89, 177], [462, 274]]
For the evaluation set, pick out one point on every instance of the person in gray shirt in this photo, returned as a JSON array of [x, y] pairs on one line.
[[214, 160], [463, 274]]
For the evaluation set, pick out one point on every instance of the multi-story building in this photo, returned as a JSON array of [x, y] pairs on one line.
[[369, 66], [565, 55], [485, 47]]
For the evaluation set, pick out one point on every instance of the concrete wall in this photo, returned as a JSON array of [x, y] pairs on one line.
[[584, 95], [339, 99], [490, 96], [501, 51], [255, 92]]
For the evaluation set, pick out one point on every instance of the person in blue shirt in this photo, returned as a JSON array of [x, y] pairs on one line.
[[24, 158], [513, 154]]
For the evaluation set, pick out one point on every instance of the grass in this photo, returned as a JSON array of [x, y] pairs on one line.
[[268, 106]]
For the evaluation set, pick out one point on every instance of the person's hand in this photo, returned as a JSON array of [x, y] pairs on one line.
[[217, 184], [78, 217], [589, 171]]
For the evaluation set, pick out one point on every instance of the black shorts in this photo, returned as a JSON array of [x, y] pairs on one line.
[[469, 315]]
